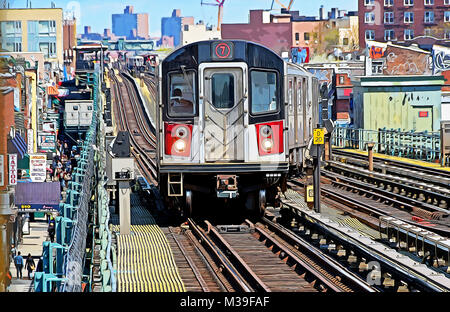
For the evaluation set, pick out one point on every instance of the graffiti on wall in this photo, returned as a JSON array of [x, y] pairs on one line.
[[441, 59], [300, 55], [376, 52], [400, 61]]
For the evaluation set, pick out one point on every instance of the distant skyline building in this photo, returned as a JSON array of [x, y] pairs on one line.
[[171, 28], [131, 25]]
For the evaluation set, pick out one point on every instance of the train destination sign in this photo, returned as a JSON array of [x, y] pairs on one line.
[[222, 51]]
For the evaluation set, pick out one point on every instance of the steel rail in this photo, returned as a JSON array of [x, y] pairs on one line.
[[330, 272]]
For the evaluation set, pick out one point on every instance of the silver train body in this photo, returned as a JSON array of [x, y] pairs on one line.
[[234, 120]]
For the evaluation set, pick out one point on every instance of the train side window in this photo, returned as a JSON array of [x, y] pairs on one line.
[[182, 97], [264, 94], [75, 107], [222, 89]]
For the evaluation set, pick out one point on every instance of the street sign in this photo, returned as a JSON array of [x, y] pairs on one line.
[[319, 136]]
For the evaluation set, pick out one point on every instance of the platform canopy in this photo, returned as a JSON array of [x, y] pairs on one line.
[[37, 196]]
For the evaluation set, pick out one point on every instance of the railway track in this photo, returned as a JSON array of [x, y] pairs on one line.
[[260, 257], [390, 271], [131, 118], [407, 170]]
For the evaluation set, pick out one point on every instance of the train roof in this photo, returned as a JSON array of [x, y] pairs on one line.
[[254, 54]]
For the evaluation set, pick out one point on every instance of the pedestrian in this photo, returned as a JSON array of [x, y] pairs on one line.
[[18, 262], [29, 265], [51, 228]]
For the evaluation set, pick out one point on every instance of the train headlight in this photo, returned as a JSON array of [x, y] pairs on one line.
[[267, 144], [180, 146]]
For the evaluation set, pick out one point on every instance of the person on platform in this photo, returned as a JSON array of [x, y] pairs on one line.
[[51, 228], [29, 265], [18, 262]]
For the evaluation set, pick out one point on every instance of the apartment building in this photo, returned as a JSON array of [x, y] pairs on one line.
[[404, 21]]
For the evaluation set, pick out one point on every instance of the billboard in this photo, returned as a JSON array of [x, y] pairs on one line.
[[47, 142]]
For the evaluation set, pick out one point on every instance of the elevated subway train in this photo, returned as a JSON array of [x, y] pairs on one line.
[[234, 120]]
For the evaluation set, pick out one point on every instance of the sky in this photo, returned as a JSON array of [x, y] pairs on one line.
[[97, 14]]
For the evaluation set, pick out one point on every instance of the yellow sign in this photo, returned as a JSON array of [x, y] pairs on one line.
[[319, 136], [309, 193]]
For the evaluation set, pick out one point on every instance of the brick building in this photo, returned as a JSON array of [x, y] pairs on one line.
[[404, 21]]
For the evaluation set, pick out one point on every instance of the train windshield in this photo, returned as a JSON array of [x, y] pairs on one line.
[[182, 96], [263, 92]]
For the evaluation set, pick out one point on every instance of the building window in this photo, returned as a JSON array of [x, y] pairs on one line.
[[447, 16], [389, 35], [297, 36], [345, 41], [186, 27], [446, 2], [429, 2], [429, 17], [17, 47], [409, 34], [306, 36], [428, 32], [447, 34], [370, 34], [369, 2], [389, 17], [388, 3], [369, 17], [409, 17], [408, 2]]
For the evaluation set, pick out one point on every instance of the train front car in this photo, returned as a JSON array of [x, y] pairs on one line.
[[222, 125]]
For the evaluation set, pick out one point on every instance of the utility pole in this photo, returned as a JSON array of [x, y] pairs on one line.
[[319, 140]]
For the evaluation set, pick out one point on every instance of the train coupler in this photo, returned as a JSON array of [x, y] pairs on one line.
[[227, 186]]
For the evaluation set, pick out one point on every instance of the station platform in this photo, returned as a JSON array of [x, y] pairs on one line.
[[414, 162], [145, 261], [31, 243]]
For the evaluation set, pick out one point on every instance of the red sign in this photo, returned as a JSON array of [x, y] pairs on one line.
[[423, 114], [223, 50], [12, 169]]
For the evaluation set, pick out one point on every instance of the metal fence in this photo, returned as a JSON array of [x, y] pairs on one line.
[[64, 262], [415, 145], [79, 196]]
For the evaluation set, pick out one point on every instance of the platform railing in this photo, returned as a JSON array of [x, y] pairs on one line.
[[393, 142]]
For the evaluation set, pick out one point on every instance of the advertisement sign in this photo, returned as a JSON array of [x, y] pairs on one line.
[[30, 141], [12, 169], [38, 167], [2, 168], [37, 207], [49, 127], [47, 141]]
